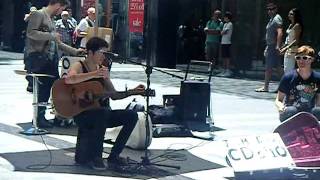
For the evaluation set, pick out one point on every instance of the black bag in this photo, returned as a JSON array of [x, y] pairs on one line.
[[163, 115], [39, 62], [134, 106]]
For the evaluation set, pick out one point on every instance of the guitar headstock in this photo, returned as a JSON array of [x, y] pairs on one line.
[[143, 92]]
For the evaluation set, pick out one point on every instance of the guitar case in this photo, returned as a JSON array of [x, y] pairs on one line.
[[138, 136], [301, 135]]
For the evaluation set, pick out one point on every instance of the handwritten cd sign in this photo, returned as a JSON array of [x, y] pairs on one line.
[[258, 152]]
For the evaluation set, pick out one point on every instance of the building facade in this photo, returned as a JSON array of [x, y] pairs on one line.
[[163, 42]]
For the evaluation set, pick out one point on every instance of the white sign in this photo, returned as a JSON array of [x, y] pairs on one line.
[[258, 152]]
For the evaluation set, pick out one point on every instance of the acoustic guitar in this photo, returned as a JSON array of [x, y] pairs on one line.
[[72, 99]]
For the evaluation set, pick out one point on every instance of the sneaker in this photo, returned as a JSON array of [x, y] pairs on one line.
[[97, 164], [30, 89], [118, 163], [43, 123]]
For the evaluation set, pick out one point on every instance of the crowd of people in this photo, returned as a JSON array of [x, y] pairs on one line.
[[46, 37]]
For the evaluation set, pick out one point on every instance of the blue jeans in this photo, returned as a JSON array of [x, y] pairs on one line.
[[292, 110], [44, 83]]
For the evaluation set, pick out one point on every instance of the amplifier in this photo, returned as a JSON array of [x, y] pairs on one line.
[[66, 62], [194, 101]]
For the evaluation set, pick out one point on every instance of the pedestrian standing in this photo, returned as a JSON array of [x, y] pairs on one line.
[[42, 51], [213, 33], [226, 45], [82, 28], [294, 34], [273, 42], [71, 18], [65, 27]]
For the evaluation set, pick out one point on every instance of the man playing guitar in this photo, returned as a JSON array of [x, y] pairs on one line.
[[99, 118]]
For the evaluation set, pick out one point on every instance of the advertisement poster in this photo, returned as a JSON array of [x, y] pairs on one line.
[[136, 15]]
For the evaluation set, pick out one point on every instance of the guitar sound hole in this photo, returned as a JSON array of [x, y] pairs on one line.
[[87, 99]]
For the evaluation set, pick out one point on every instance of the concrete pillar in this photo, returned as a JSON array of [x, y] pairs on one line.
[[7, 14]]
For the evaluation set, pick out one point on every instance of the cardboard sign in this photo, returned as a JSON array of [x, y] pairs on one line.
[[258, 152], [136, 15], [104, 33]]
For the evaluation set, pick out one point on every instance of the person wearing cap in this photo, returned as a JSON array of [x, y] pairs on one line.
[[273, 42], [65, 27], [82, 28], [299, 90], [71, 18]]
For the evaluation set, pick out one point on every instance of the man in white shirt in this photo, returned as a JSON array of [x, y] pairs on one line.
[[82, 28]]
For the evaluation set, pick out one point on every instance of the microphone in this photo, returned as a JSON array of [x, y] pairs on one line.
[[113, 57], [111, 54]]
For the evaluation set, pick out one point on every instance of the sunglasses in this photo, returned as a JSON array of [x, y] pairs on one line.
[[304, 58], [107, 59], [102, 51]]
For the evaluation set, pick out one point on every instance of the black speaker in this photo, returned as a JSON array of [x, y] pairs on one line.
[[195, 101]]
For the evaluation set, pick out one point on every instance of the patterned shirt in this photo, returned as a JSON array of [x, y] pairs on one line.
[[299, 92], [271, 29], [65, 28]]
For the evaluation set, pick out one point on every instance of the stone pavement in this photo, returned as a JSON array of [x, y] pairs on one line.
[[236, 111]]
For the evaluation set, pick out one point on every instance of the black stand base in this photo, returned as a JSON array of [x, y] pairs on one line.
[[146, 162], [34, 131]]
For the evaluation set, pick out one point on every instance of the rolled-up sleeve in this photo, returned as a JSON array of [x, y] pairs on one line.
[[67, 48]]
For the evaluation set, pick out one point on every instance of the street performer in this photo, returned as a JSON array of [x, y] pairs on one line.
[[98, 119]]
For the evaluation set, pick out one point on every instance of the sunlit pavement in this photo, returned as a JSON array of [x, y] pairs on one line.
[[236, 110]]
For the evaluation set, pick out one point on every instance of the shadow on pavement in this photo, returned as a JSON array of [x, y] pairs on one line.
[[166, 132], [70, 131], [61, 161]]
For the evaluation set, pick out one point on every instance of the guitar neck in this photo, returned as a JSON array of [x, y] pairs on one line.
[[151, 93]]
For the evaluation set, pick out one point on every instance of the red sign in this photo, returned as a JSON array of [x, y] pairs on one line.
[[136, 15]]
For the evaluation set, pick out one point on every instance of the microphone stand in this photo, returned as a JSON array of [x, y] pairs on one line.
[[145, 159]]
